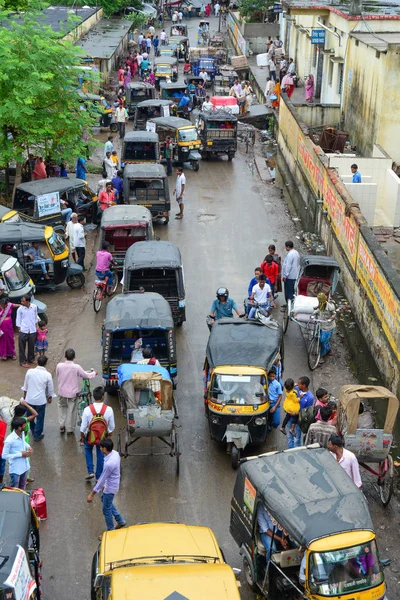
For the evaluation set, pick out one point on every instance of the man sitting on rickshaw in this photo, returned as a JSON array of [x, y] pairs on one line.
[[272, 539], [38, 259]]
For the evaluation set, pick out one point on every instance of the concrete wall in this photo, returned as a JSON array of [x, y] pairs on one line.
[[321, 199], [257, 34], [319, 115], [84, 27]]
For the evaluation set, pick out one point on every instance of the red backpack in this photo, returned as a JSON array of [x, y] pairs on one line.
[[97, 429]]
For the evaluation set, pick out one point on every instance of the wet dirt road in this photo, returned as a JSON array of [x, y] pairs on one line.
[[230, 218]]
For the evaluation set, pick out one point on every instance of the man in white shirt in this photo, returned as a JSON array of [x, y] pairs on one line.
[[38, 391], [121, 116], [17, 452], [346, 459], [163, 38], [290, 269], [26, 321], [87, 416], [207, 104], [80, 240], [140, 38], [261, 294], [152, 31], [204, 75], [179, 191], [108, 146], [69, 234], [180, 16], [217, 8], [272, 68], [291, 67]]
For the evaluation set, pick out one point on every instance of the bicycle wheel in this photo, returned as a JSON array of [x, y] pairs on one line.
[[314, 350], [386, 483], [286, 316], [97, 299], [111, 289]]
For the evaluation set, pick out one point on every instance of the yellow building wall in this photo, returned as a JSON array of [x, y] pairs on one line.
[[389, 125]]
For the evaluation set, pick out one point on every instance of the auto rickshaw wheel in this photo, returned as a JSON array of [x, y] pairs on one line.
[[76, 282], [231, 156], [286, 318], [196, 165], [386, 483], [177, 453], [119, 445], [235, 457], [248, 574], [114, 127]]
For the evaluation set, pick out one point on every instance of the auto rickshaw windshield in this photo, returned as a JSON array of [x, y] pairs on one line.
[[345, 571], [56, 244], [16, 277], [238, 389], [187, 135], [166, 69]]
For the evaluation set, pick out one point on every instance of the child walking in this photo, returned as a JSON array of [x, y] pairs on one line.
[[41, 344], [291, 406]]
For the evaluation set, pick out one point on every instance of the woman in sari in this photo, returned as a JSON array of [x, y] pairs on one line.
[[269, 88], [277, 93], [7, 342], [310, 88]]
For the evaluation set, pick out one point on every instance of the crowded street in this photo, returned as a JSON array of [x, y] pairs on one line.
[[231, 217]]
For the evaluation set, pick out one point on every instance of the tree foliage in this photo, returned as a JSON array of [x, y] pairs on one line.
[[254, 9], [40, 107]]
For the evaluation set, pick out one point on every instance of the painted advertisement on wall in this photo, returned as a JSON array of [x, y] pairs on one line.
[[381, 295], [236, 33]]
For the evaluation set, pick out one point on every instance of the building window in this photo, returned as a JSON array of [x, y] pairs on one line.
[[377, 54], [357, 42], [315, 56], [340, 79], [330, 74]]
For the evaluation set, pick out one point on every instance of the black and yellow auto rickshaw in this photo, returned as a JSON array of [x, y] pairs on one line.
[[168, 50], [140, 147], [123, 225], [172, 91], [305, 498], [238, 357], [178, 30], [40, 201], [147, 185], [98, 104], [157, 267], [186, 142], [42, 252], [182, 45], [17, 282], [20, 565], [150, 109], [218, 133], [165, 67], [138, 91], [8, 215], [132, 321]]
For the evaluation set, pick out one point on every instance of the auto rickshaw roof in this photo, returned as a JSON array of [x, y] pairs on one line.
[[138, 310], [240, 342], [3, 260], [144, 171], [178, 38], [51, 185], [165, 60], [350, 397], [21, 232], [15, 520], [176, 582], [138, 85], [171, 122], [123, 214], [4, 210], [172, 85], [325, 261], [158, 102], [141, 136], [152, 254], [125, 371], [89, 96], [308, 492], [218, 115]]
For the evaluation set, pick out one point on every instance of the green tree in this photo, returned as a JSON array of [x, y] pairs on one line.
[[40, 109], [254, 10]]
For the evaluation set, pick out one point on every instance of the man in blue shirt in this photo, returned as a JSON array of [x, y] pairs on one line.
[[356, 174], [253, 281], [269, 533], [275, 397], [223, 306], [306, 399], [17, 452], [118, 185]]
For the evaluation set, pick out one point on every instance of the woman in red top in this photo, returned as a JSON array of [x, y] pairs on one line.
[[270, 270]]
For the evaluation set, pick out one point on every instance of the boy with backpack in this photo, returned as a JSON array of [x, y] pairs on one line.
[[97, 424]]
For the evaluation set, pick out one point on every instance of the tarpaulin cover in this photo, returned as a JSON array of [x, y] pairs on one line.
[[146, 255], [126, 371], [124, 214], [239, 342], [307, 492], [138, 311]]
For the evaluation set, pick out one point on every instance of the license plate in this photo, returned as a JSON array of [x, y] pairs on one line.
[[209, 143], [145, 205], [191, 147]]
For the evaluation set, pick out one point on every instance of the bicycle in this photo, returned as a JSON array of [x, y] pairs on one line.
[[313, 332], [102, 289]]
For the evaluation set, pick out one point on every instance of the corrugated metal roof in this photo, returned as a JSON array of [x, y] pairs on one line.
[[104, 38]]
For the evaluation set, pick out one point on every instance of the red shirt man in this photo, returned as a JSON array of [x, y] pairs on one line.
[[106, 197], [270, 269]]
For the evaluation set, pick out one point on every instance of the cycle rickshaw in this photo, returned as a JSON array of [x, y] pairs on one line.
[[318, 274], [370, 445], [147, 402]]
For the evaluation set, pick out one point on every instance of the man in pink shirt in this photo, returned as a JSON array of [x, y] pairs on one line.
[[104, 260], [346, 459], [68, 374]]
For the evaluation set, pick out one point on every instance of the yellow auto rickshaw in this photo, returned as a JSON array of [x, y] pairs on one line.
[[186, 142], [161, 560]]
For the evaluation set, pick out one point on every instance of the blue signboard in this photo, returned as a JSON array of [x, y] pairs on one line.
[[277, 8], [318, 36]]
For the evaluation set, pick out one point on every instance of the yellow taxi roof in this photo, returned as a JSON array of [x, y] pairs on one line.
[[180, 582], [146, 543]]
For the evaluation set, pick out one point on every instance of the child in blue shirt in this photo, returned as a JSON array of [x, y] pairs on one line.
[[275, 397]]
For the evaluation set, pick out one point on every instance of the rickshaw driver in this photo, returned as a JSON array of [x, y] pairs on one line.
[[223, 306], [104, 260], [38, 259], [270, 538]]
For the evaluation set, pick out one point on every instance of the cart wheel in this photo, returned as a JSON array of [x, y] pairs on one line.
[[314, 351], [114, 127], [97, 299], [177, 453], [235, 457], [248, 574], [386, 483], [286, 318]]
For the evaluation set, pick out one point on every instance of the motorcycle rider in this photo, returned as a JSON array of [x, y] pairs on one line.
[[104, 260], [223, 306], [262, 295]]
